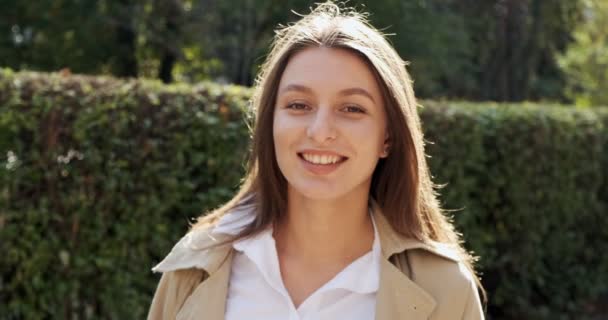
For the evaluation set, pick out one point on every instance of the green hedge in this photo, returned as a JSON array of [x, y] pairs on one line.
[[532, 184], [101, 176], [103, 179]]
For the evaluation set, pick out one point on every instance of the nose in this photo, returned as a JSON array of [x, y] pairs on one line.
[[322, 127]]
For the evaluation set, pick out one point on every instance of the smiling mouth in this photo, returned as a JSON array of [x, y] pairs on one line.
[[322, 160]]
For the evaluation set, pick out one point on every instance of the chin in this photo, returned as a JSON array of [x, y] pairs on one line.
[[318, 193]]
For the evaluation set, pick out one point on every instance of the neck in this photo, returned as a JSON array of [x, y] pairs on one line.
[[325, 231]]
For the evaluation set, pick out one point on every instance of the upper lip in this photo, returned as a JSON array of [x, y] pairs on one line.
[[321, 152]]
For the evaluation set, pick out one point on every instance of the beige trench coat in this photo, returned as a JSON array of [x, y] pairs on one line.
[[417, 280]]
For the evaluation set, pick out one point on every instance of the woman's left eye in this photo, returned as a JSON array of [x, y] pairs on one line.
[[354, 109]]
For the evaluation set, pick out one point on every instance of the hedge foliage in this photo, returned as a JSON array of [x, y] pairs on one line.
[[101, 176], [532, 183]]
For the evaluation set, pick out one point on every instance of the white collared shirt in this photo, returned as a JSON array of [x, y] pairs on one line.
[[256, 289]]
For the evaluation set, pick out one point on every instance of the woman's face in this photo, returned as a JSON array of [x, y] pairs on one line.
[[329, 124]]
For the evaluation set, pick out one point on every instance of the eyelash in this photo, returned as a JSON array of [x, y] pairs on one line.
[[358, 109], [291, 105]]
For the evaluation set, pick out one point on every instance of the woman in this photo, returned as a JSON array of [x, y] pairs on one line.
[[337, 217]]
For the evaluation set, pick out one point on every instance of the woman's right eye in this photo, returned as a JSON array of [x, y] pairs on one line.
[[297, 106]]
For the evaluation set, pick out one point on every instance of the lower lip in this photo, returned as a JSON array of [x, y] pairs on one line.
[[320, 169]]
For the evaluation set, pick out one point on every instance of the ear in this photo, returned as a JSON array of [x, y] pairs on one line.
[[386, 147]]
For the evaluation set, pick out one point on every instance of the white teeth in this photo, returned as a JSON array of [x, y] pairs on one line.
[[317, 159]]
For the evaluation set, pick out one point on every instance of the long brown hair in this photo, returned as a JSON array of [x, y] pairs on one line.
[[401, 183]]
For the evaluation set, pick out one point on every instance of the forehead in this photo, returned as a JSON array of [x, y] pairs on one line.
[[329, 69]]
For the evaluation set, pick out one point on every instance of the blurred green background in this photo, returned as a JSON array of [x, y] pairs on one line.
[[500, 50], [101, 174]]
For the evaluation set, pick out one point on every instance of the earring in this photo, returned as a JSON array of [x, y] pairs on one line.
[[385, 152]]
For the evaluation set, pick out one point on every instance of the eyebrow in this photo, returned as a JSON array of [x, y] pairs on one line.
[[344, 92]]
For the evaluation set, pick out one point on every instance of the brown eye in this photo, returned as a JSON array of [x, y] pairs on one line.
[[297, 106], [354, 109]]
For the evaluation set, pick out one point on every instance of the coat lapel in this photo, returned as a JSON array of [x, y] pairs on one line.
[[400, 298], [208, 301], [211, 254]]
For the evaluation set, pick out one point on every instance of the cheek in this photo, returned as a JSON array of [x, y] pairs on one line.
[[284, 131], [277, 134], [369, 137]]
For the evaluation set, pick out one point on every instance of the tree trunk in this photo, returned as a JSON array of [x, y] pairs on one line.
[[126, 37], [170, 49]]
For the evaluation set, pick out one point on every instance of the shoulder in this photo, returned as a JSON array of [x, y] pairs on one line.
[[200, 248], [207, 245], [439, 266], [446, 277], [194, 258], [172, 291], [183, 269]]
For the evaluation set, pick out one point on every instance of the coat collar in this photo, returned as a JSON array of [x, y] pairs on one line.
[[398, 296], [198, 249], [393, 242]]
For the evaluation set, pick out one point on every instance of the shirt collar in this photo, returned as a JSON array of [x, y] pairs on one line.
[[261, 250], [199, 247]]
